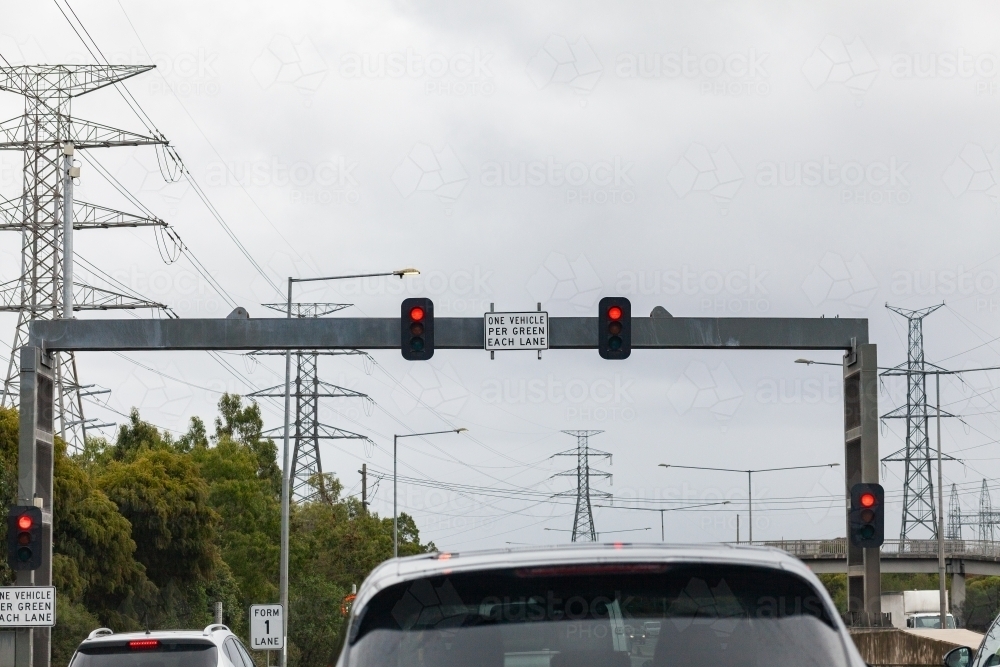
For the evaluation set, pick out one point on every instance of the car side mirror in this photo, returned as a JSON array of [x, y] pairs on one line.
[[958, 657]]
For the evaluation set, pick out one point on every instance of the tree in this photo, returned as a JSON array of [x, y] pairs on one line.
[[165, 499]]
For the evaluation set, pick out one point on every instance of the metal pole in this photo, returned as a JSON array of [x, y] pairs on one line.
[[67, 295], [285, 500], [940, 531], [737, 529], [750, 501], [395, 534], [663, 536]]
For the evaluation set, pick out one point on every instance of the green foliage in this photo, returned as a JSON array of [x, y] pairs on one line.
[[149, 532], [164, 498], [982, 602]]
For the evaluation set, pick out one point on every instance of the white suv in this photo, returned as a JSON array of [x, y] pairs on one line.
[[215, 646]]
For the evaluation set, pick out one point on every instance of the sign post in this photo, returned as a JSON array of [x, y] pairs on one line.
[[266, 624]]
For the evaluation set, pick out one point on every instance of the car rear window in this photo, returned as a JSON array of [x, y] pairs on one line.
[[636, 615], [164, 654]]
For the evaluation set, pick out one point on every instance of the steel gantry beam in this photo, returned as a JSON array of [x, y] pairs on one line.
[[382, 333]]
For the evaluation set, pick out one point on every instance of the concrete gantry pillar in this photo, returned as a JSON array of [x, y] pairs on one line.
[[35, 457], [861, 464], [958, 589]]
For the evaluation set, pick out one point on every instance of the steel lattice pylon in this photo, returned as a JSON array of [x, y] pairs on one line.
[[954, 531], [583, 518], [42, 132], [306, 479], [987, 520], [918, 487]]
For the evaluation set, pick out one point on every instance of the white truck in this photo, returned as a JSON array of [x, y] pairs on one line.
[[916, 609]]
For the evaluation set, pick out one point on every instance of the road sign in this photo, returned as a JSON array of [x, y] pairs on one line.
[[516, 331], [266, 627], [27, 606]]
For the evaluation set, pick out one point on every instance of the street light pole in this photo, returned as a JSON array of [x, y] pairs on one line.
[[285, 455], [940, 532], [395, 514], [750, 480]]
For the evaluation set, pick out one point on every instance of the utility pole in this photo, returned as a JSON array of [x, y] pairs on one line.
[[364, 487], [583, 518], [45, 214], [918, 487]]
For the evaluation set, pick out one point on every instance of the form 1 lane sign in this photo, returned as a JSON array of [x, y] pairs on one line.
[[266, 625], [27, 606], [516, 331]]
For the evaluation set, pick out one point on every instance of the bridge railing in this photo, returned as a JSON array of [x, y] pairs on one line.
[[837, 548]]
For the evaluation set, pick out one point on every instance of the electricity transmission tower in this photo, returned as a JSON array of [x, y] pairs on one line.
[[954, 530], [583, 519], [46, 215], [985, 521], [307, 481], [918, 487]]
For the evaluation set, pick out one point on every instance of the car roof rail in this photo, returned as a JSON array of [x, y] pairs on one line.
[[100, 632], [215, 626]]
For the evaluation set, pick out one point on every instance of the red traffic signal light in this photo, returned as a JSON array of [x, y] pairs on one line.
[[24, 537], [416, 340], [866, 518], [614, 327]]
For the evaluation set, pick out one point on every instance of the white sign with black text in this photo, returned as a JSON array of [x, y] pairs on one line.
[[266, 625], [516, 331], [27, 606]]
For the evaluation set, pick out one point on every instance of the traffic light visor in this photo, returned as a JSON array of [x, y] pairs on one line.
[[24, 522]]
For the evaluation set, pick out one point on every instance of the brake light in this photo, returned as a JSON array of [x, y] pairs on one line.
[[143, 644], [591, 570]]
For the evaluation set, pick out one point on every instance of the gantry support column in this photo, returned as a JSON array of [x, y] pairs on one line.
[[864, 588], [35, 455]]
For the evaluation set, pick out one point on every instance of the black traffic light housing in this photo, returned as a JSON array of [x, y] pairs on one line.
[[24, 537], [867, 516], [614, 323], [417, 329]]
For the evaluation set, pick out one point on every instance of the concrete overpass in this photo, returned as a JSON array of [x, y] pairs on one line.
[[962, 558]]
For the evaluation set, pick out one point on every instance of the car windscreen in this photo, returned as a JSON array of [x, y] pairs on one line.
[[635, 615], [164, 653]]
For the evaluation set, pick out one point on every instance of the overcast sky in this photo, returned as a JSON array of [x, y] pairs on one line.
[[718, 159]]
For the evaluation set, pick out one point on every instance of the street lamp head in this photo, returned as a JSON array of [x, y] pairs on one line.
[[664, 465], [804, 361], [406, 272], [461, 429]]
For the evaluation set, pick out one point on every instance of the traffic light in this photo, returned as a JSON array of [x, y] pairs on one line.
[[614, 320], [24, 537], [867, 518], [417, 329]]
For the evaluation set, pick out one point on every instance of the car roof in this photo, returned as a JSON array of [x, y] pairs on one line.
[[216, 636], [400, 570]]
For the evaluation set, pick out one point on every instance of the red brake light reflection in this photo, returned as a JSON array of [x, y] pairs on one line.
[[867, 499], [591, 570], [24, 522], [140, 644]]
